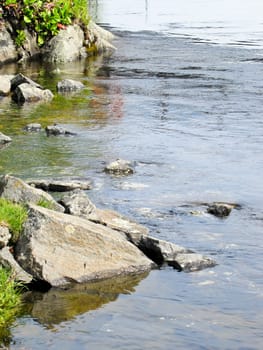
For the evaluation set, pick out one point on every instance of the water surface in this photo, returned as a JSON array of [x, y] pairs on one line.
[[182, 97]]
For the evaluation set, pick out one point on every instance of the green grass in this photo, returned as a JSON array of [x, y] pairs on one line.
[[45, 203], [14, 215], [10, 300]]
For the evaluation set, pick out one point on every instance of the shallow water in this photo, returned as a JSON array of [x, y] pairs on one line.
[[182, 97]]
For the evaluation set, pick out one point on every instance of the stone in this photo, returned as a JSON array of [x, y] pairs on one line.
[[18, 191], [56, 130], [29, 93], [182, 259], [5, 84], [5, 235], [61, 185], [69, 85], [4, 139], [77, 203], [98, 40], [8, 261], [119, 167], [61, 249], [22, 79], [33, 127], [8, 51], [220, 209], [66, 46]]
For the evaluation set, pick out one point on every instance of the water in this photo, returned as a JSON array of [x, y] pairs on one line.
[[182, 96]]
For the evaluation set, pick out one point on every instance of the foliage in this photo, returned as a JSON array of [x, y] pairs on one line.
[[10, 300], [14, 215], [43, 17]]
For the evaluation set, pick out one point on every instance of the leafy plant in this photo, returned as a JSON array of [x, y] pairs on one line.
[[44, 17], [14, 215], [10, 300]]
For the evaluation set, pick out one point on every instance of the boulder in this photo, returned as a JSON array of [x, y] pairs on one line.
[[33, 127], [8, 51], [29, 93], [69, 85], [5, 84], [119, 167], [5, 235], [61, 185], [191, 262], [67, 46], [77, 203], [97, 39], [60, 248], [18, 191], [8, 261], [56, 130], [20, 78], [4, 139]]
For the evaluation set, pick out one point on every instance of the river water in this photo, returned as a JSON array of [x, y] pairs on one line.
[[182, 97]]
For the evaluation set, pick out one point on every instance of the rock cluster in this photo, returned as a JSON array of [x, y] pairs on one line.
[[75, 242]]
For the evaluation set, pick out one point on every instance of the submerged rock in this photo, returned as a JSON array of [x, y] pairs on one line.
[[69, 85], [4, 139], [56, 130], [119, 167], [33, 127], [29, 93], [60, 248], [220, 209]]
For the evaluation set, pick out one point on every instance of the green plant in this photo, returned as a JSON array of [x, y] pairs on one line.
[[10, 300], [44, 17], [14, 215], [45, 203]]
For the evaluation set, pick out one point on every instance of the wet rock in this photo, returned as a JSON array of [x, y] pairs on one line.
[[56, 130], [77, 203], [18, 191], [220, 209], [29, 93], [33, 127], [4, 235], [20, 79], [8, 261], [5, 84], [69, 85], [4, 139], [8, 51], [98, 40], [60, 249], [119, 167], [61, 185], [191, 262]]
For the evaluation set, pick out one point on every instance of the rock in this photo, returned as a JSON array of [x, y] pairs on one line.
[[33, 127], [22, 79], [29, 93], [5, 235], [56, 130], [61, 185], [183, 259], [98, 40], [60, 248], [4, 139], [191, 262], [5, 84], [220, 209], [119, 167], [77, 203], [69, 85], [18, 191], [7, 261], [67, 46], [8, 51]]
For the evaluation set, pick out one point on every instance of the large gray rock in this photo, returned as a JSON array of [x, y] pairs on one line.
[[20, 78], [18, 191], [67, 46], [29, 93], [61, 185], [119, 167], [69, 85], [8, 51], [5, 235], [60, 248], [98, 40], [7, 261]]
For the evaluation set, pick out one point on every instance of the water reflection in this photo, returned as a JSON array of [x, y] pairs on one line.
[[58, 305]]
